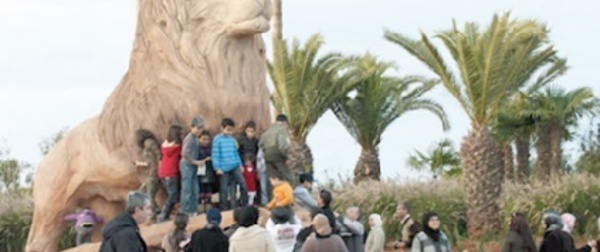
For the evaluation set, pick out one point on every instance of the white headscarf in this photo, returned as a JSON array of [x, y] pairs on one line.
[[376, 219], [568, 222]]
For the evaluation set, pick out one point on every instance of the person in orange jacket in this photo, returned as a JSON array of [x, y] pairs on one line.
[[283, 194]]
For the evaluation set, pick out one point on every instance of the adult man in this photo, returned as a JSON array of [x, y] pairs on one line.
[[354, 235], [122, 232], [275, 144], [188, 167], [407, 224], [302, 195]]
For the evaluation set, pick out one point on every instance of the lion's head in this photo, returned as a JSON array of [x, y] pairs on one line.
[[191, 57]]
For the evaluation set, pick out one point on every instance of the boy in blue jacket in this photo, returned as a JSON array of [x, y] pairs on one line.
[[227, 164]]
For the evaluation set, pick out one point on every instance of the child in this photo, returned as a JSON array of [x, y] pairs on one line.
[[206, 174], [173, 240], [86, 222], [283, 195], [250, 176], [228, 164], [248, 141]]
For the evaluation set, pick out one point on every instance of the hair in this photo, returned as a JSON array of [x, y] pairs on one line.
[[250, 124], [281, 215], [179, 234], [305, 177], [518, 224], [236, 215], [174, 134], [405, 205], [277, 176], [433, 234], [282, 118], [135, 200], [227, 122], [248, 216], [142, 135], [326, 197], [249, 156], [205, 133]]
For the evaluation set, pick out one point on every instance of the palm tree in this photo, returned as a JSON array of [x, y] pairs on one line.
[[305, 87], [380, 100], [559, 110], [491, 66], [439, 160]]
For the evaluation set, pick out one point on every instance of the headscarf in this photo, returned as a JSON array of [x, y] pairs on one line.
[[433, 234], [321, 225], [568, 221], [552, 220], [376, 218]]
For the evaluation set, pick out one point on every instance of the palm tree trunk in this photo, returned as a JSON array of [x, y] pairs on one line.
[[368, 166], [277, 20], [556, 136], [300, 158], [483, 172], [523, 167], [509, 164], [542, 167]]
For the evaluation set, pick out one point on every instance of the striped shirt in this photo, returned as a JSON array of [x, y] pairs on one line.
[[225, 154]]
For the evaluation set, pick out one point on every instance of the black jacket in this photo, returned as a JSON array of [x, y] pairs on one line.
[[208, 239], [122, 234], [560, 241], [331, 217], [248, 145]]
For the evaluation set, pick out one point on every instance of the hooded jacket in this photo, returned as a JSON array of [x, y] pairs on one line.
[[210, 238], [122, 234], [376, 239], [251, 239]]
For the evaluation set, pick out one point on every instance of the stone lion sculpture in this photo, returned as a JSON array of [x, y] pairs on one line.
[[192, 57]]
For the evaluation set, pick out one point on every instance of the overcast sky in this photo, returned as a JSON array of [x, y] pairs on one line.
[[60, 59]]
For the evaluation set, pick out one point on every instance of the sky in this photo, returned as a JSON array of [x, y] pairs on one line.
[[60, 59]]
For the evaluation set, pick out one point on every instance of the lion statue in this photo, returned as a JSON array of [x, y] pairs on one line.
[[190, 58]]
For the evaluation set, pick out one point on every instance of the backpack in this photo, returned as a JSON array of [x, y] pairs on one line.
[[413, 230], [341, 228]]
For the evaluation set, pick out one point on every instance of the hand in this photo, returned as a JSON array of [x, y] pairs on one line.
[[206, 159], [593, 243], [199, 163], [219, 172], [241, 168]]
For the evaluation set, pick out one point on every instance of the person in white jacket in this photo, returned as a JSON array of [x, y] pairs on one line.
[[250, 237], [282, 230], [376, 239]]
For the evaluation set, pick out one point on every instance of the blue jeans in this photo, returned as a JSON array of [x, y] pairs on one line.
[[228, 183], [172, 187], [189, 188], [264, 188]]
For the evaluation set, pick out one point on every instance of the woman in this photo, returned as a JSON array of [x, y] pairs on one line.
[[557, 240], [323, 239], [173, 240], [168, 170], [376, 239], [519, 237], [431, 239]]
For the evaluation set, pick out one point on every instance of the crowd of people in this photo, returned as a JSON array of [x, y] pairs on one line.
[[193, 167]]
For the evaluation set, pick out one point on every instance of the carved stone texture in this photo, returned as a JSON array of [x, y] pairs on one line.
[[190, 58]]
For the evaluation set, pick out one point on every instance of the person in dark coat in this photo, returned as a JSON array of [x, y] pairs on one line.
[[122, 234], [209, 238], [324, 203], [519, 237], [557, 240]]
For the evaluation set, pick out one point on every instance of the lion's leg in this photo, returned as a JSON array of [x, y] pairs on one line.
[[48, 221]]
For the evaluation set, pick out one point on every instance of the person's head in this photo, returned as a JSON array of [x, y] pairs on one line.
[[518, 224], [431, 225], [179, 234], [276, 179], [213, 217], [227, 126], [175, 134], [181, 221], [281, 215], [375, 220], [142, 135], [353, 213], [306, 179], [324, 198], [283, 119], [551, 220], [250, 129], [204, 138], [402, 210], [568, 221], [138, 206], [236, 215], [249, 158], [248, 216], [197, 125], [321, 225]]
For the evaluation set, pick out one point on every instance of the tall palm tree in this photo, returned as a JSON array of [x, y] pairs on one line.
[[559, 109], [380, 100], [439, 160], [305, 86], [491, 66]]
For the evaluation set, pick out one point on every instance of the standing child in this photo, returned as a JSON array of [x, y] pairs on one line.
[[228, 164], [86, 221], [250, 177], [206, 173], [249, 147], [283, 195]]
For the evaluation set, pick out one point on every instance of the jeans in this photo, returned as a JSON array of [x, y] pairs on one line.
[[189, 188], [172, 187], [264, 188], [228, 183], [84, 234]]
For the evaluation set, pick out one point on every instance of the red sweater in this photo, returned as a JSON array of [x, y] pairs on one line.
[[169, 164], [250, 177]]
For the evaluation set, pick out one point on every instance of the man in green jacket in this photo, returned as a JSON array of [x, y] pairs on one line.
[[275, 143]]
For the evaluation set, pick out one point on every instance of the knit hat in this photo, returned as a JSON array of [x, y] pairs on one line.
[[213, 216], [321, 225], [197, 121]]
